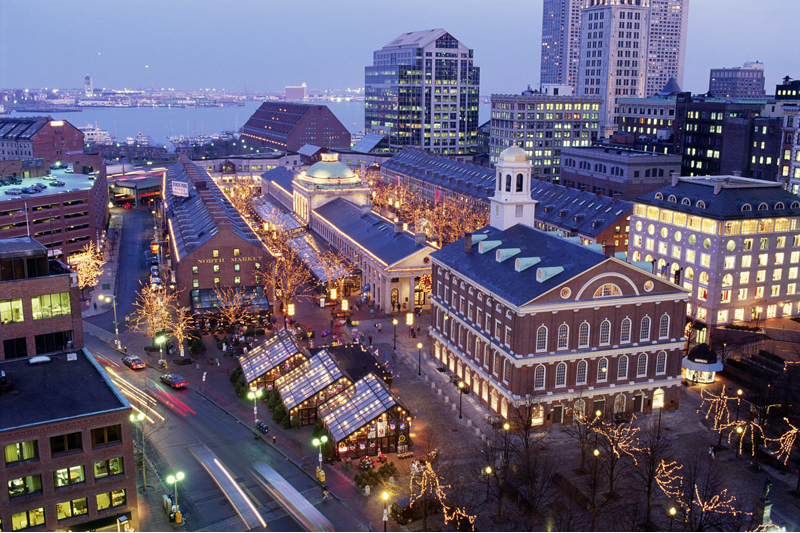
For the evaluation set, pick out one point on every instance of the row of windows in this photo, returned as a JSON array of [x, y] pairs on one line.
[[44, 306], [605, 333], [68, 509], [64, 477], [23, 451], [561, 378]]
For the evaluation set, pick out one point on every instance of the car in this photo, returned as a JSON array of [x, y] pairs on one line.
[[155, 279], [154, 261], [49, 177], [14, 191], [174, 380], [42, 185], [28, 190], [133, 362], [154, 270], [74, 190], [58, 184], [36, 188], [68, 170]]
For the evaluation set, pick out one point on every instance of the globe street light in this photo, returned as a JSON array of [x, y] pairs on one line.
[[173, 480], [385, 497], [739, 430], [460, 397], [138, 418], [488, 472], [113, 299], [672, 512], [419, 359], [318, 443], [255, 395], [160, 341], [394, 321], [738, 402]]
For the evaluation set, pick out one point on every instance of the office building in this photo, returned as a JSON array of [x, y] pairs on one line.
[[88, 86], [40, 307], [561, 38], [287, 126], [28, 137], [737, 82], [666, 47], [296, 93], [790, 148], [649, 118], [789, 90], [543, 329], [68, 457], [422, 90], [542, 124], [732, 242]]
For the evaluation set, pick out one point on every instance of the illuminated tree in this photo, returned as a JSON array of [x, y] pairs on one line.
[[88, 264], [241, 193], [651, 450], [287, 276], [616, 442], [233, 306], [154, 311], [182, 326], [717, 408], [336, 267]]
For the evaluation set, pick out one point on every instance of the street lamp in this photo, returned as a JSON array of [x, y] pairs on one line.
[[419, 359], [113, 299], [739, 430], [318, 443], [409, 322], [738, 402], [173, 480], [672, 512], [460, 396], [488, 471], [394, 321], [138, 418], [255, 395], [160, 341], [385, 497]]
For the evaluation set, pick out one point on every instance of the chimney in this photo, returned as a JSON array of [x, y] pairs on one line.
[[468, 243], [398, 227], [675, 176], [598, 194], [584, 188], [737, 173], [615, 197], [420, 238], [718, 185], [366, 209]]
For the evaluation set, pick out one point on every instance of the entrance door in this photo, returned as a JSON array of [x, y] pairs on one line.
[[599, 405], [558, 414], [638, 403]]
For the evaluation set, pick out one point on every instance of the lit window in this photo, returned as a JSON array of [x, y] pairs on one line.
[[622, 367], [602, 370], [641, 366], [563, 336]]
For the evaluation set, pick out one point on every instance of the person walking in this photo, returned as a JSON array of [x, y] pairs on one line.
[[325, 492], [711, 452]]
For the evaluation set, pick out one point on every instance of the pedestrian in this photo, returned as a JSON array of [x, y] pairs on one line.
[[274, 439], [376, 327], [711, 452], [324, 492], [418, 330]]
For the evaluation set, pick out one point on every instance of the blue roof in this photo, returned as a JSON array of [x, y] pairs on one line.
[[368, 143], [369, 231], [569, 209], [735, 192], [281, 176], [501, 279]]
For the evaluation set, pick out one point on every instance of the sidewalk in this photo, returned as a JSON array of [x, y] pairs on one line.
[[107, 281]]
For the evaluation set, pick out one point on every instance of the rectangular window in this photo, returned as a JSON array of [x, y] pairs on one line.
[[794, 257], [793, 273], [469, 310], [195, 269], [676, 252], [237, 280], [764, 243], [743, 294], [790, 289], [235, 252], [746, 261], [111, 467], [24, 485], [705, 260], [761, 275], [195, 283], [461, 305], [497, 329], [690, 256], [216, 268], [72, 508], [237, 267], [781, 241], [215, 253], [738, 314], [26, 519], [776, 290], [725, 296], [759, 292], [216, 282], [508, 336], [69, 476], [662, 248], [66, 443], [11, 310], [106, 435], [50, 305], [21, 451], [649, 244], [722, 316], [779, 258], [114, 498], [763, 259], [748, 243], [730, 262], [776, 274]]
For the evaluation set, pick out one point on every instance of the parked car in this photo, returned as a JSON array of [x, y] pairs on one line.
[[28, 190], [174, 380], [42, 185], [36, 188], [49, 177], [133, 362], [68, 170], [155, 279], [14, 191], [74, 190], [154, 270], [58, 184], [154, 260]]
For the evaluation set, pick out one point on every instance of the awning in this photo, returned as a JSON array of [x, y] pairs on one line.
[[366, 288], [699, 326], [701, 367]]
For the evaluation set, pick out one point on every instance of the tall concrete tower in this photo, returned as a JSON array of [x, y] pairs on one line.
[[88, 88], [561, 40], [666, 48]]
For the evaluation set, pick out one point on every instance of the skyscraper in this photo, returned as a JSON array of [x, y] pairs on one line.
[[666, 48], [614, 36], [561, 38], [88, 88], [423, 90]]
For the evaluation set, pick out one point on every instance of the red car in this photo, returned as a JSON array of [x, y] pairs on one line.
[[174, 381], [133, 362]]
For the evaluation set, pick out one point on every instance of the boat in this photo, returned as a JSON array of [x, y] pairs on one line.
[[141, 140], [94, 135]]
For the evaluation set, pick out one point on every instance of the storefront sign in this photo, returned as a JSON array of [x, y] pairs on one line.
[[371, 431], [381, 429], [180, 188]]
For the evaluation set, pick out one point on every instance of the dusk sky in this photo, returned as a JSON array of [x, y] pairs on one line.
[[266, 44]]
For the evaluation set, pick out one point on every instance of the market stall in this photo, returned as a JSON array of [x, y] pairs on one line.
[[274, 358], [310, 385]]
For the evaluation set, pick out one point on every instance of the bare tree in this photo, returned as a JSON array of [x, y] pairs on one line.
[[233, 306], [652, 449], [336, 267], [154, 311], [616, 442], [88, 264], [582, 430], [496, 458]]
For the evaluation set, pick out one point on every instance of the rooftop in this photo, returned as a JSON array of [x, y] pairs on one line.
[[57, 390], [417, 39], [583, 212], [20, 129], [72, 182], [623, 152], [21, 247]]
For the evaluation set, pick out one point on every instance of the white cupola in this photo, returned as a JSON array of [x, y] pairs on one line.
[[512, 203]]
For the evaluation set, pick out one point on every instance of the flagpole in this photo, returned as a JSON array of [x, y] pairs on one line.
[[27, 224]]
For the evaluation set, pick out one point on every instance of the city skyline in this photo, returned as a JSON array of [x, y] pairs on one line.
[[174, 46]]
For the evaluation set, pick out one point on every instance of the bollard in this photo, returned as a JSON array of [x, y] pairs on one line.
[[197, 366], [478, 432], [453, 406], [469, 422], [426, 378], [433, 384], [439, 392], [366, 490], [391, 480]]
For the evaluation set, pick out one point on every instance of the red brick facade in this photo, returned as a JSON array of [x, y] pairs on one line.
[[56, 141], [507, 353]]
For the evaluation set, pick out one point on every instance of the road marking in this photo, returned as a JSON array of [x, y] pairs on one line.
[[258, 503]]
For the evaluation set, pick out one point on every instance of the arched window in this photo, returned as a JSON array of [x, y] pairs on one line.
[[686, 201], [561, 375], [563, 337], [622, 367], [658, 399], [602, 369], [644, 331], [747, 207], [583, 335], [659, 196], [661, 363], [541, 339], [499, 181], [727, 280], [641, 365], [625, 334], [701, 204], [519, 182], [506, 370], [580, 373], [605, 332], [538, 378], [763, 206], [508, 182], [663, 327], [672, 198], [496, 364], [477, 348], [637, 256], [795, 205], [609, 289], [579, 409], [688, 274], [619, 404], [704, 278], [779, 205]]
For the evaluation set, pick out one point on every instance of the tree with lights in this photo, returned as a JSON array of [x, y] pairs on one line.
[[240, 193], [233, 306], [154, 311], [651, 450], [182, 326], [88, 264], [287, 277], [336, 266], [717, 408], [616, 442]]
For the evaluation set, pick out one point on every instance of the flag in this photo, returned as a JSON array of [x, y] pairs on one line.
[[437, 196], [396, 180]]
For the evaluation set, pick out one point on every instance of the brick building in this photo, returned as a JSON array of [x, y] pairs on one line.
[[40, 308], [211, 245], [27, 137], [288, 126], [737, 82], [790, 147], [68, 459], [539, 326]]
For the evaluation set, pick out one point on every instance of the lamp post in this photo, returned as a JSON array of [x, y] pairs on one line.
[[394, 322], [672, 512], [409, 322], [739, 430], [460, 396], [488, 472], [318, 443], [173, 480], [138, 418], [255, 395], [113, 299], [160, 341], [738, 402], [385, 497], [419, 359]]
